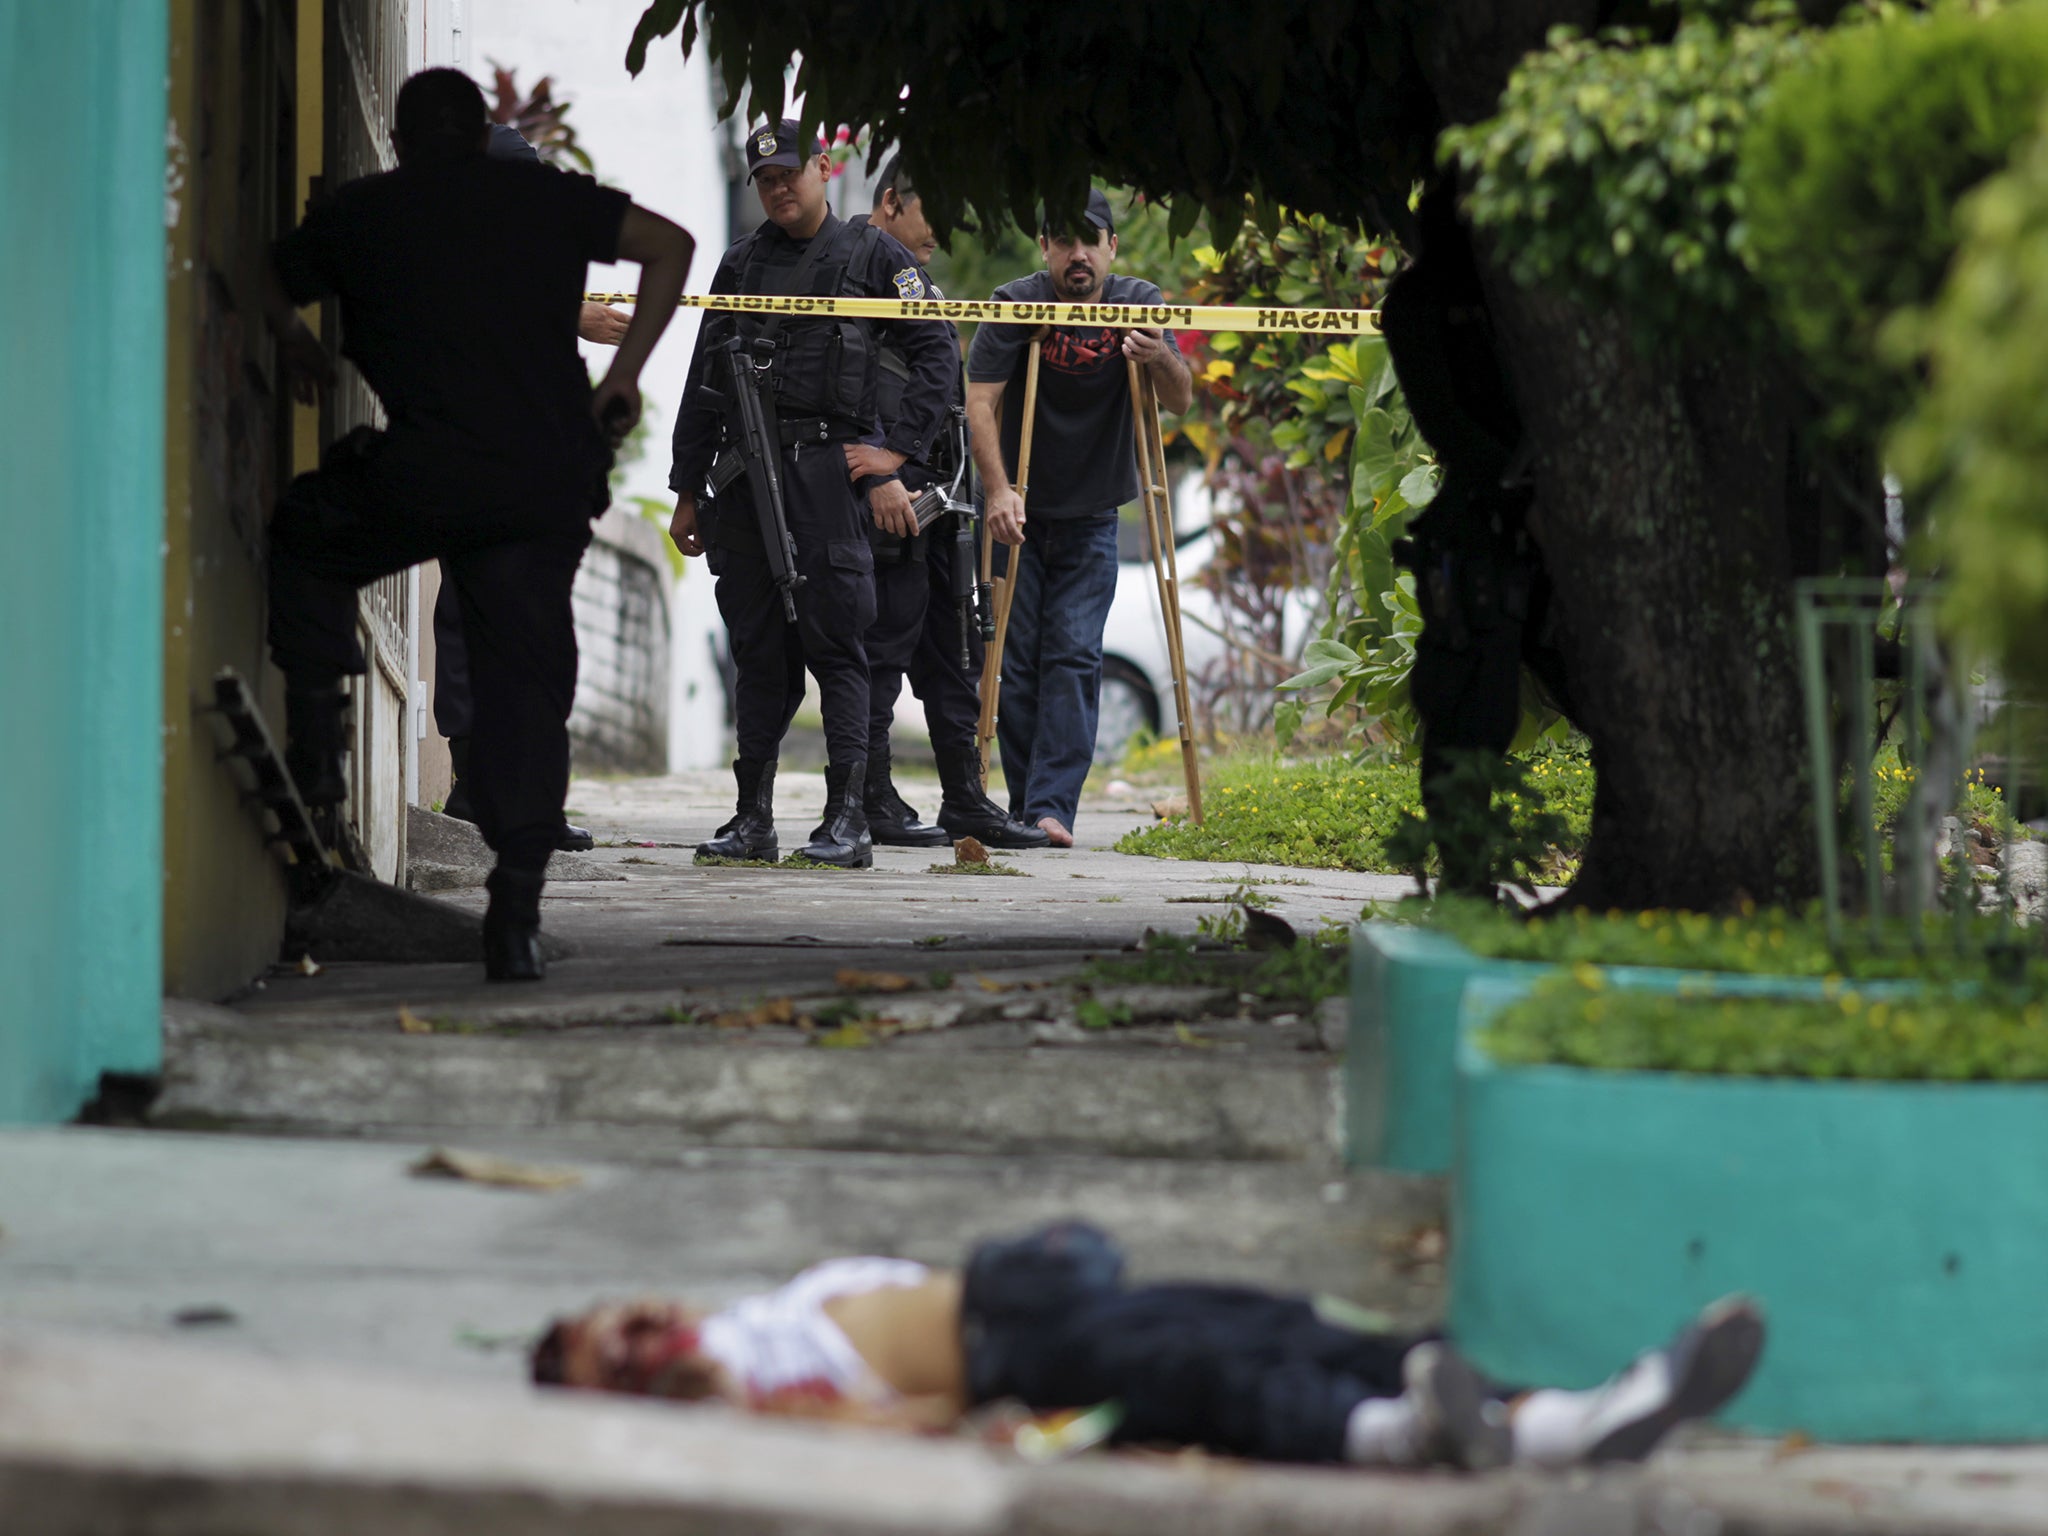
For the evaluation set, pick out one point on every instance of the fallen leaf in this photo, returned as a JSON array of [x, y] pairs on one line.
[[970, 850], [1187, 1036], [851, 980], [988, 984], [411, 1023], [774, 1010], [1797, 1443], [308, 966], [501, 1172], [847, 1037]]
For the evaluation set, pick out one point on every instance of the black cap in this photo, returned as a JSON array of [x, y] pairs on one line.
[[781, 145], [1098, 214]]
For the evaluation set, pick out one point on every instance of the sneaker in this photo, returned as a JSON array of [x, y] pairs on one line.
[[1690, 1378], [1457, 1423]]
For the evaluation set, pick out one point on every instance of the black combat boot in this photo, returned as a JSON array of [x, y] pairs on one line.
[[574, 839], [750, 835], [893, 823], [512, 926], [967, 812], [842, 838], [316, 731]]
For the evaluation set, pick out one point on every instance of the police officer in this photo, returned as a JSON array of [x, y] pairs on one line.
[[917, 628], [460, 280], [823, 393]]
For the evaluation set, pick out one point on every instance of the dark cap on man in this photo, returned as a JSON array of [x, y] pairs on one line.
[[1098, 214], [782, 144]]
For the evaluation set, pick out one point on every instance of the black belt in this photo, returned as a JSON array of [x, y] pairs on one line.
[[805, 430]]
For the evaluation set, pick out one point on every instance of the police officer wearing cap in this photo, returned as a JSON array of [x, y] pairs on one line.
[[823, 381], [916, 632]]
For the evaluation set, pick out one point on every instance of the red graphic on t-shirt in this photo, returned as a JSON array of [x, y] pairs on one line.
[[1080, 351]]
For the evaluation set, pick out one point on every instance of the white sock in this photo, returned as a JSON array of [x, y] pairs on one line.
[[1382, 1432], [1550, 1426]]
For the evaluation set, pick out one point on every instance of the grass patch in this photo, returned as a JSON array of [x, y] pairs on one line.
[[1332, 814], [1574, 1020], [1316, 967], [712, 861], [990, 868], [1770, 941]]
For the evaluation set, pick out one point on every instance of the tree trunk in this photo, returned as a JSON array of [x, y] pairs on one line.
[[1661, 512]]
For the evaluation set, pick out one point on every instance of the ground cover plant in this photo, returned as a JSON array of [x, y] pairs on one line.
[[1577, 1020], [1316, 966], [1335, 813], [1984, 949]]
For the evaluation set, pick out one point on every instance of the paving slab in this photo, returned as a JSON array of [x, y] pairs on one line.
[[296, 1248], [141, 1438]]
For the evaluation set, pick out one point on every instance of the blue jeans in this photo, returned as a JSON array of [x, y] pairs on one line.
[[1052, 663]]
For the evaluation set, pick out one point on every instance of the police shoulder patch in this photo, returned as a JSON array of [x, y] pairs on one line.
[[910, 283]]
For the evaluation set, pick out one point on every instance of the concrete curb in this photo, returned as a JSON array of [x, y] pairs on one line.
[[1045, 1101]]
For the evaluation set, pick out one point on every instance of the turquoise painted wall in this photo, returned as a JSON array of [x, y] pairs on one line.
[[82, 113]]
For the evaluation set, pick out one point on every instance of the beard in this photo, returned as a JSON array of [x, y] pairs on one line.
[[1078, 280]]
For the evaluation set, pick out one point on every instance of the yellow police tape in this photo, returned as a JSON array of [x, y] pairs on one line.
[[1180, 317]]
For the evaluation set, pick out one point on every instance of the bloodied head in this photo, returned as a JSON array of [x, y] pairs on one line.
[[650, 1348]]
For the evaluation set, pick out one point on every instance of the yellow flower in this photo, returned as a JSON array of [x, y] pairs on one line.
[[1589, 976]]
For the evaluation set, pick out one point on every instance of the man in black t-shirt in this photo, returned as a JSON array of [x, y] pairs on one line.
[[1083, 467], [461, 283]]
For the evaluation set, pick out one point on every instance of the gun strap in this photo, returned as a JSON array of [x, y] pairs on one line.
[[828, 233]]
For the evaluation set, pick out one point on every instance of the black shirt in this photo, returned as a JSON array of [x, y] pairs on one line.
[[1084, 459], [882, 270], [460, 285]]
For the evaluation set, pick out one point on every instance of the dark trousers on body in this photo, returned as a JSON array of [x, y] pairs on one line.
[[382, 505], [834, 607], [1052, 663], [916, 634], [1046, 1319]]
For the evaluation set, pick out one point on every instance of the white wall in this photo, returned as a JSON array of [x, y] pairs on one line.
[[657, 137]]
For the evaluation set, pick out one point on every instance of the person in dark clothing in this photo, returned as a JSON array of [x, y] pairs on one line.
[[1046, 1320], [1479, 577], [916, 632], [823, 399], [460, 280], [1084, 466], [454, 704]]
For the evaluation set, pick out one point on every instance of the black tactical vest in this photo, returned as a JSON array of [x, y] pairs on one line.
[[823, 367]]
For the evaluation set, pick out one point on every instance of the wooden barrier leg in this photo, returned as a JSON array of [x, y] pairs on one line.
[[1160, 533], [1006, 585]]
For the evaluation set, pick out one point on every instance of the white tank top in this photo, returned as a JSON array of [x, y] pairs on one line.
[[782, 1340]]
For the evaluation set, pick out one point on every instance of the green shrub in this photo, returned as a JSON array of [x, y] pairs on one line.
[[1333, 814], [1976, 444], [1610, 169], [1768, 942], [1578, 1021], [1850, 176]]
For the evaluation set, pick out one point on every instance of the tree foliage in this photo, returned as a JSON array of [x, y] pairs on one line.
[[541, 120], [1851, 175], [1309, 104], [1976, 444], [1609, 171]]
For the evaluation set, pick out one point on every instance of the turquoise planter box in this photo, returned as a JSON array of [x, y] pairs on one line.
[[1400, 1057], [1896, 1233], [1400, 1076]]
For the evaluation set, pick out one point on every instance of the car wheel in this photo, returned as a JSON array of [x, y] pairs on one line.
[[1128, 706]]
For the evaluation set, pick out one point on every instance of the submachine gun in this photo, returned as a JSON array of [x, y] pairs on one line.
[[748, 405], [956, 495]]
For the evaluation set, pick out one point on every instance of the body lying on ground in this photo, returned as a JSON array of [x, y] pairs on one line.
[[1046, 1320]]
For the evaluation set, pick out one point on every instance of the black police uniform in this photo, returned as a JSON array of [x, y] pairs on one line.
[[825, 397], [460, 284], [1479, 577], [916, 633]]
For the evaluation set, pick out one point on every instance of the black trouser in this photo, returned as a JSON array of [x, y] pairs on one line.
[[834, 607], [916, 633], [454, 707], [1046, 1319], [370, 513]]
